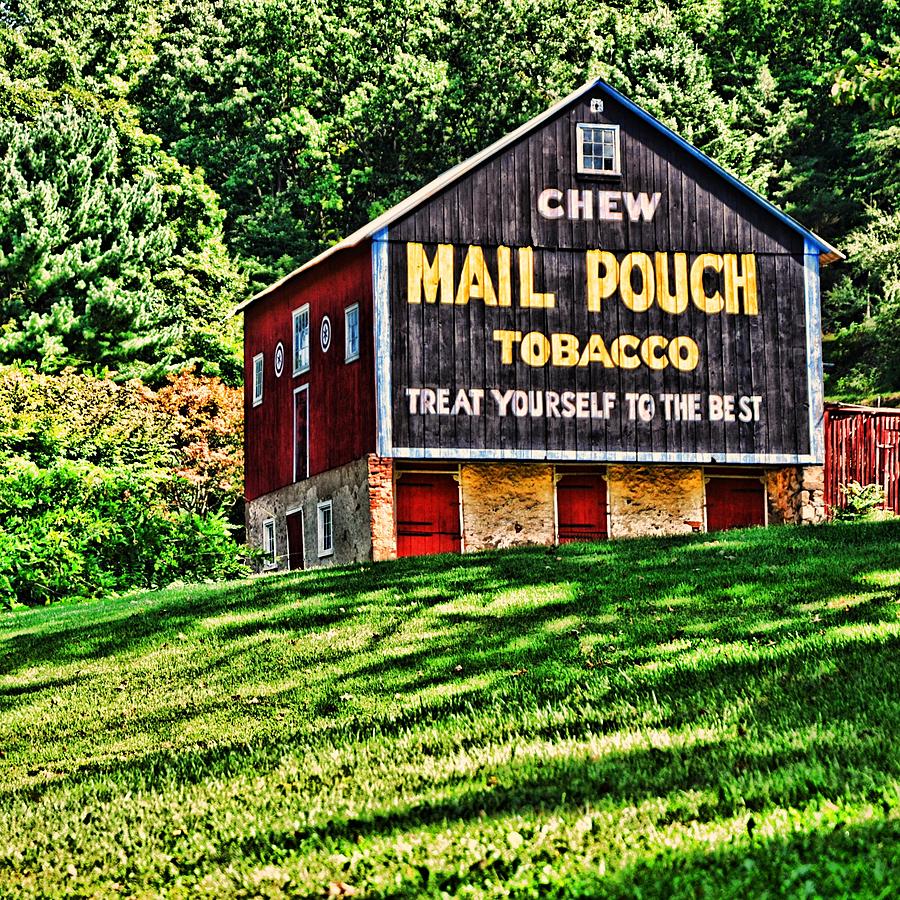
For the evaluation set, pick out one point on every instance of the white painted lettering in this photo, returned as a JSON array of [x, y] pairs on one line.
[[549, 205]]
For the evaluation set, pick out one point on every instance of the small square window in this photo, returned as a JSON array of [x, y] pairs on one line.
[[301, 340], [351, 333], [326, 529], [269, 544], [598, 149], [258, 369]]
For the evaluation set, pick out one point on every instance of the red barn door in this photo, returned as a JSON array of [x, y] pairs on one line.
[[581, 508], [734, 503], [427, 514], [295, 539]]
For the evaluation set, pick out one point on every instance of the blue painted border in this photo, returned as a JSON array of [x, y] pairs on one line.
[[382, 328], [815, 376], [611, 456]]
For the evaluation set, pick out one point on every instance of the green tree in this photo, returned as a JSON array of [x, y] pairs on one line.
[[78, 243]]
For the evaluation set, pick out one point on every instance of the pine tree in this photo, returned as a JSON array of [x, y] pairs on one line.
[[78, 241]]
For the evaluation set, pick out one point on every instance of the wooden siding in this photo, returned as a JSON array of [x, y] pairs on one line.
[[862, 445], [341, 395], [450, 346]]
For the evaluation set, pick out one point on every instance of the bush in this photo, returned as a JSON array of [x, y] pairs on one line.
[[75, 530], [107, 486], [863, 501]]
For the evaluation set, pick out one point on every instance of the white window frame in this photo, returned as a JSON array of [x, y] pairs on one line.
[[297, 392], [320, 528], [299, 365], [579, 146], [351, 355], [268, 527], [259, 370]]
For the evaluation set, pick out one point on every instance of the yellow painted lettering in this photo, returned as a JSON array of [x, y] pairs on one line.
[[602, 277], [708, 303], [595, 351], [672, 303], [535, 349], [565, 349], [684, 354], [743, 280], [527, 295], [642, 300], [422, 274], [504, 280], [475, 280], [650, 351], [507, 339], [617, 351]]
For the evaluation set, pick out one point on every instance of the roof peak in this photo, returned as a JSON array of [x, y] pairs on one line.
[[827, 252]]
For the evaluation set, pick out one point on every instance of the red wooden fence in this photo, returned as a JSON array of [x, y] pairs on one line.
[[862, 444]]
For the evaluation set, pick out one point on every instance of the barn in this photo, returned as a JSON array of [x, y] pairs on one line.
[[587, 330]]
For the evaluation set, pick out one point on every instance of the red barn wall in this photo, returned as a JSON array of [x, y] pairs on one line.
[[341, 395]]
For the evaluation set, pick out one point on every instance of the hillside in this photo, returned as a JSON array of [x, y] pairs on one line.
[[705, 716]]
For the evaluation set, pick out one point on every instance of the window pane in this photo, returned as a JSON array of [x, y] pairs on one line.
[[269, 539], [352, 326], [301, 340], [325, 530], [258, 363]]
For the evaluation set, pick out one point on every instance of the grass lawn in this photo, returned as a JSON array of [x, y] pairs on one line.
[[712, 716]]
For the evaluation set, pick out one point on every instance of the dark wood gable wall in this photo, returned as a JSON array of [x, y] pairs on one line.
[[451, 346]]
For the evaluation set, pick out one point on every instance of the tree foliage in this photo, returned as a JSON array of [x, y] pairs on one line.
[[270, 129], [107, 486], [78, 243]]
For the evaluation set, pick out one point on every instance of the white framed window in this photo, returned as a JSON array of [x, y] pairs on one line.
[[326, 528], [301, 432], [351, 333], [598, 149], [268, 543], [258, 370], [301, 339]]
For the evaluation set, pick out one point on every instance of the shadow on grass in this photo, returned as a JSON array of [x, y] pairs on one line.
[[855, 861], [623, 630]]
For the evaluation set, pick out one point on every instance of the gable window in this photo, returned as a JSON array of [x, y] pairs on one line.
[[301, 340], [598, 149], [326, 529], [351, 333], [269, 543], [258, 369]]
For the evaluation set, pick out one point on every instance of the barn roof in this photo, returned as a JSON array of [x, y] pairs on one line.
[[827, 252]]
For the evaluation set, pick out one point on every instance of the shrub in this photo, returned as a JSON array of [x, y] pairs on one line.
[[863, 501], [75, 530]]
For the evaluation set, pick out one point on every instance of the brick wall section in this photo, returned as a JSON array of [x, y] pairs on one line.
[[654, 500], [796, 495], [381, 507], [505, 504]]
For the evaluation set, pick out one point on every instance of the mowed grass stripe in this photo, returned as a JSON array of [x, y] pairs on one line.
[[712, 715]]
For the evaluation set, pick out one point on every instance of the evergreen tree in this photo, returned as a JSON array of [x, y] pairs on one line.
[[79, 242]]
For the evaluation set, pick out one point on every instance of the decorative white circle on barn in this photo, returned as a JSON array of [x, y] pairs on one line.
[[325, 334], [279, 359]]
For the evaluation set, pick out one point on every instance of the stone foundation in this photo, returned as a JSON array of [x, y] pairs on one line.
[[796, 495], [510, 504], [654, 500], [347, 488], [506, 504]]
